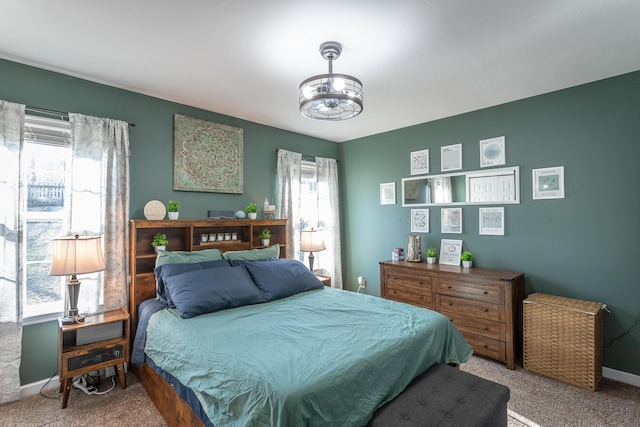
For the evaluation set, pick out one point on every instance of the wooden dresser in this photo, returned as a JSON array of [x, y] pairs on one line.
[[484, 304]]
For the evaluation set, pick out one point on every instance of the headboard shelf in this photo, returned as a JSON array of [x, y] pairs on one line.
[[185, 235]]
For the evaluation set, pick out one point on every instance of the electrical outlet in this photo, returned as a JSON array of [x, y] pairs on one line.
[[362, 282]]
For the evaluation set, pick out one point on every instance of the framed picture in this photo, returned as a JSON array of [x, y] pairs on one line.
[[388, 193], [450, 251], [492, 152], [548, 183], [419, 220], [419, 162], [451, 220], [492, 221], [207, 156], [451, 157]]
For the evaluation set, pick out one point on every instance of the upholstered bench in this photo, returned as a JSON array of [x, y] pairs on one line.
[[446, 396]]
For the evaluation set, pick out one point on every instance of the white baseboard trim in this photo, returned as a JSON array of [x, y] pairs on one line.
[[623, 377], [34, 388]]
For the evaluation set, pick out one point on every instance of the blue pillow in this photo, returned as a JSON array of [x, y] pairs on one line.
[[280, 278], [166, 270], [214, 289]]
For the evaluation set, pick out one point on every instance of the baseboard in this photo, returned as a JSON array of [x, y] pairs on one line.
[[34, 388], [621, 376]]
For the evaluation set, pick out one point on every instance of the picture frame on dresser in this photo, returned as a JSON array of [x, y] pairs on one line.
[[450, 251]]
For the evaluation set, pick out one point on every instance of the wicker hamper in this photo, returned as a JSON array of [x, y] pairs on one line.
[[563, 339]]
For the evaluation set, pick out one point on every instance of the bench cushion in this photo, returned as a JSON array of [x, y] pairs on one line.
[[446, 396]]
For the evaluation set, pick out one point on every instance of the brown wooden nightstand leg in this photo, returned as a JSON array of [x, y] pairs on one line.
[[67, 389], [123, 381]]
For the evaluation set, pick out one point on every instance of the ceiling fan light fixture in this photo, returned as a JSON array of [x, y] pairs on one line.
[[331, 97]]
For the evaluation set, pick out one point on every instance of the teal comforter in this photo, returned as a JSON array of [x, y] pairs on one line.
[[320, 358]]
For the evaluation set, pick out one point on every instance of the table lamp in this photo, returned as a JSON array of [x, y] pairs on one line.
[[73, 255], [312, 241]]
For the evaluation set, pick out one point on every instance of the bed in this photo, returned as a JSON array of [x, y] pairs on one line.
[[263, 342]]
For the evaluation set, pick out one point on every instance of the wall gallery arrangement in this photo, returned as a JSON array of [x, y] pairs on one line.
[[548, 183]]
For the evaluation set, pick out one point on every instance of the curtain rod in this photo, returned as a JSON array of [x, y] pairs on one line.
[[61, 114]]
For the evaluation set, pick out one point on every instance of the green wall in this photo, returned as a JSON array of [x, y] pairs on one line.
[[583, 246], [151, 164]]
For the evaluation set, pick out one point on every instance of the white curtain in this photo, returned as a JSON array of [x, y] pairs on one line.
[[11, 137], [288, 205], [288, 197], [329, 215], [100, 202]]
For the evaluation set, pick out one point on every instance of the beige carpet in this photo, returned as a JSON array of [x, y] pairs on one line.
[[535, 400], [549, 402]]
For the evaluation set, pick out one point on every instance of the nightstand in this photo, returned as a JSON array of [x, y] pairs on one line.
[[326, 280], [100, 341]]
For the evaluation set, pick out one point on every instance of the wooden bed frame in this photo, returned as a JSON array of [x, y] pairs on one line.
[[173, 408]]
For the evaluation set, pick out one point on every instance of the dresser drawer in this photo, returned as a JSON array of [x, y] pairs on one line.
[[486, 346], [408, 280], [470, 308], [467, 290], [485, 328], [405, 294]]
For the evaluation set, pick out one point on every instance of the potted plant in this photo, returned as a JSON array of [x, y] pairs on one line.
[[173, 207], [431, 255], [265, 236], [252, 210], [467, 259], [160, 241]]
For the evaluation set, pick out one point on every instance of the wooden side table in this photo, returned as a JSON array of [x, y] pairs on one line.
[[76, 359], [326, 280]]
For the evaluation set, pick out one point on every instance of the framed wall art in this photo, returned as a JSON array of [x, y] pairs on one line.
[[419, 162], [388, 193], [492, 221], [492, 152], [419, 220], [207, 156], [450, 251], [451, 157], [548, 183], [451, 220]]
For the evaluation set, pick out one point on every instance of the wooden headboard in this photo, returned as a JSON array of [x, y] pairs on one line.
[[185, 235]]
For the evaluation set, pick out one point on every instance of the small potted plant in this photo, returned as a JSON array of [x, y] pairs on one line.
[[160, 241], [467, 259], [431, 255], [252, 210], [265, 236], [173, 207]]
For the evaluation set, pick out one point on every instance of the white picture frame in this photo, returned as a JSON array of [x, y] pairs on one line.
[[451, 220], [548, 183], [419, 162], [451, 157], [450, 251], [419, 220], [492, 152], [388, 193], [491, 221]]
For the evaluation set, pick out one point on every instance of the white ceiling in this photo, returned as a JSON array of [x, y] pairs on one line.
[[419, 60]]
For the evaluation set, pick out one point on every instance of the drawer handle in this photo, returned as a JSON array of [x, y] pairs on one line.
[[421, 297], [486, 347], [486, 292], [486, 328], [486, 310], [449, 287], [450, 303], [420, 282], [394, 277]]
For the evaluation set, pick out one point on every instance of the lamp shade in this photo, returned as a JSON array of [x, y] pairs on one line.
[[74, 255], [312, 241]]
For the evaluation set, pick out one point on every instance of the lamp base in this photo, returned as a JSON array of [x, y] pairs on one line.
[[68, 320]]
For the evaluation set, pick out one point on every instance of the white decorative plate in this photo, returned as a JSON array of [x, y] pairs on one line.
[[155, 209]]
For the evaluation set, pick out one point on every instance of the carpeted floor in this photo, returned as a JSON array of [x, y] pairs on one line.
[[535, 400]]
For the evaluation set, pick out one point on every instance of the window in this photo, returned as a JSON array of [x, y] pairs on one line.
[[309, 205], [46, 158]]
